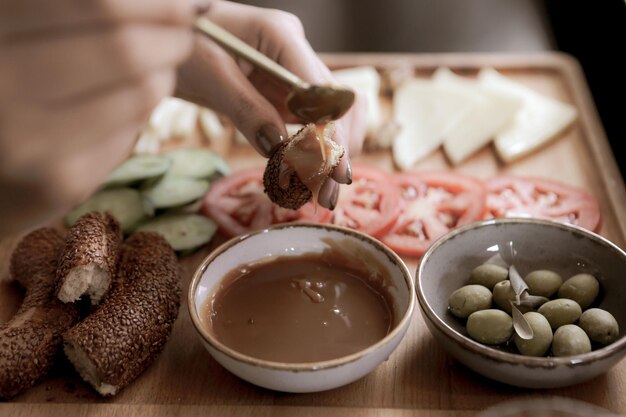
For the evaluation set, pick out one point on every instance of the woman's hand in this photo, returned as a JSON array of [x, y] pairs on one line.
[[77, 81], [254, 101]]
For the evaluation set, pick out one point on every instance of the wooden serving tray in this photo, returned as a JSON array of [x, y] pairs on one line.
[[419, 378]]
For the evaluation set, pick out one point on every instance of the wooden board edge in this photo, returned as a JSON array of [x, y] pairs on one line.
[[538, 60], [166, 410]]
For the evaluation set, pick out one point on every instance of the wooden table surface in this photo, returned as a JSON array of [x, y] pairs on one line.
[[419, 378]]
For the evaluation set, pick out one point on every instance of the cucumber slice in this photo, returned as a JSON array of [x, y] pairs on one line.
[[138, 168], [184, 232], [173, 191], [193, 207], [125, 204], [197, 163]]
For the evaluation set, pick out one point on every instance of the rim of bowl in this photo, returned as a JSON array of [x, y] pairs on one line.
[[498, 355], [300, 366]]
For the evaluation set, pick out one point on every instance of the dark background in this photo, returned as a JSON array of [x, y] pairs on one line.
[[593, 31]]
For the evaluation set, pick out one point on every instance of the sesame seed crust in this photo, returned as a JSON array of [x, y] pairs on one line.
[[295, 195], [94, 240], [31, 340], [35, 256], [131, 326]]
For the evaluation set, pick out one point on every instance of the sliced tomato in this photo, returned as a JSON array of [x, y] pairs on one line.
[[239, 205], [512, 196], [370, 204], [433, 204]]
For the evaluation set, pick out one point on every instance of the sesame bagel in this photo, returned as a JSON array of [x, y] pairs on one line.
[[281, 181], [90, 258], [31, 340], [118, 341], [35, 256]]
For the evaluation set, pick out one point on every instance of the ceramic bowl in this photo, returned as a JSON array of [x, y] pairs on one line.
[[292, 240], [539, 244]]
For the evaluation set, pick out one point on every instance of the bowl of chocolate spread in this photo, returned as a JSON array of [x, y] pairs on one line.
[[301, 307]]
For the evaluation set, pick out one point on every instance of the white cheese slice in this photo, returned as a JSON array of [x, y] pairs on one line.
[[162, 117], [538, 121], [211, 124], [366, 80], [424, 112], [490, 112], [148, 142], [185, 120]]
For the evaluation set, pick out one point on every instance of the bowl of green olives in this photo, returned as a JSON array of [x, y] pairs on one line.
[[527, 302]]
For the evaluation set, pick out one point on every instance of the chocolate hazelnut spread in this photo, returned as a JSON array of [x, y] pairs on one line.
[[320, 105], [305, 308], [309, 159]]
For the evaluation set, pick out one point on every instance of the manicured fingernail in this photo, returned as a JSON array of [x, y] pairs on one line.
[[333, 197], [343, 173], [267, 139], [348, 172]]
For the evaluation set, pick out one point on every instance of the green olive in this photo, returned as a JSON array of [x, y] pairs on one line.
[[543, 282], [469, 299], [491, 327], [570, 340], [560, 312], [582, 288], [503, 294], [488, 275], [600, 326], [542, 336]]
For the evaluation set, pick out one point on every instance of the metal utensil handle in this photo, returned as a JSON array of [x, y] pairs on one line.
[[233, 44]]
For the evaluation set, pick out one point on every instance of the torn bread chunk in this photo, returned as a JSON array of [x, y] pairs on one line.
[[31, 340], [297, 169], [117, 342], [89, 259]]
